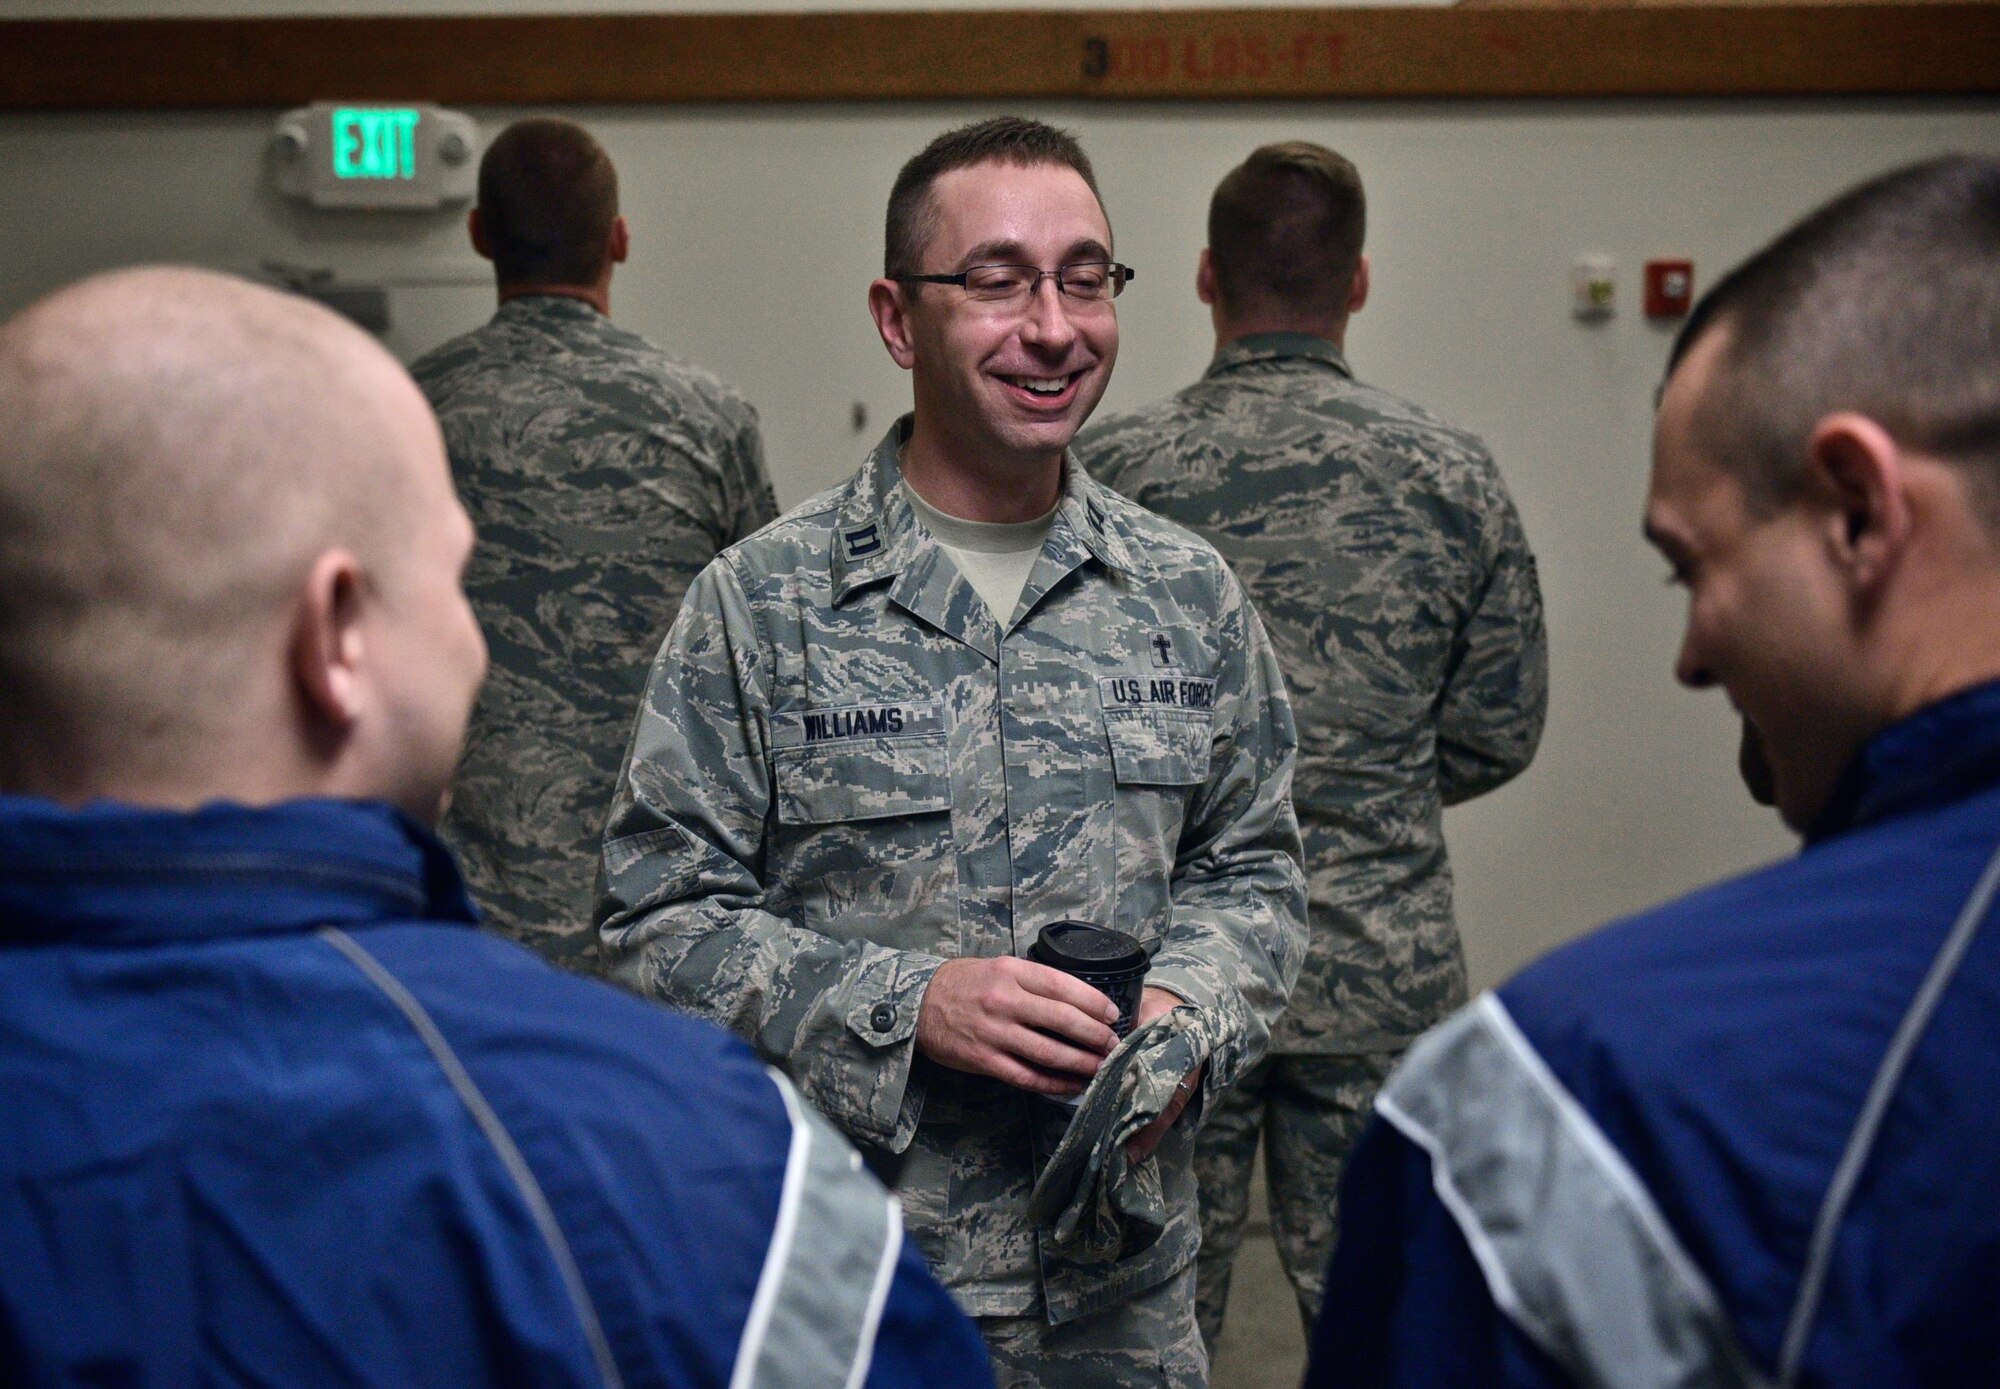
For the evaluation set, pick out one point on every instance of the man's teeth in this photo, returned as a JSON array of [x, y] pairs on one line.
[[1041, 385]]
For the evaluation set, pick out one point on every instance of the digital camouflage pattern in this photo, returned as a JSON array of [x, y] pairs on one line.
[[1382, 549], [845, 772], [1092, 1202], [1148, 1342], [1388, 563], [602, 475], [1310, 1111]]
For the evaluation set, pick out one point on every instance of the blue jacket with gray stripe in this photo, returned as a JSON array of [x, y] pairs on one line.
[[271, 1111], [1752, 1137]]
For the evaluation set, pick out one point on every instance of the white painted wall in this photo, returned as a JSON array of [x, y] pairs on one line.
[[756, 232]]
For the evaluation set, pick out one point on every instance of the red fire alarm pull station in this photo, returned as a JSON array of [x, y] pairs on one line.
[[1669, 288]]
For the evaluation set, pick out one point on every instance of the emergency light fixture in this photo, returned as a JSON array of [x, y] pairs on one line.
[[375, 155]]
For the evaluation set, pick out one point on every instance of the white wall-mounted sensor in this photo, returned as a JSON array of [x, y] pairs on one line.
[[1593, 286], [375, 156]]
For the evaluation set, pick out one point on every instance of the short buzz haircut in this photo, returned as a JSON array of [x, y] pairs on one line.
[[1285, 229], [548, 195], [177, 447], [912, 220], [1886, 301]]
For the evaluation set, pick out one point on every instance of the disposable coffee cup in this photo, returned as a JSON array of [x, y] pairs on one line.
[[1109, 961]]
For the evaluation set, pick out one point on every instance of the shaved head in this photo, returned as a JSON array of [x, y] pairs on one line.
[[1885, 301], [177, 450]]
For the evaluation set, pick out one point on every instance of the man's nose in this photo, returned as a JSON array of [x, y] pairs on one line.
[[1048, 322], [1690, 668]]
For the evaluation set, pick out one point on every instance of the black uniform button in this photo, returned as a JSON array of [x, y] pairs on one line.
[[883, 1018]]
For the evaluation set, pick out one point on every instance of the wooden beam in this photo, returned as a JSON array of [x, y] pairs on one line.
[[1731, 49]]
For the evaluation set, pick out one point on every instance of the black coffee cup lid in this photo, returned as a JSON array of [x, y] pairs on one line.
[[1079, 945]]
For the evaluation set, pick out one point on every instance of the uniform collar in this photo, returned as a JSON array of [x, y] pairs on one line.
[[111, 873], [1943, 753], [877, 535], [1272, 347], [549, 306]]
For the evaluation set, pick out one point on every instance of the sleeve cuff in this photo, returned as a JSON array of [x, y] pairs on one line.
[[1195, 981], [1185, 977], [871, 1092]]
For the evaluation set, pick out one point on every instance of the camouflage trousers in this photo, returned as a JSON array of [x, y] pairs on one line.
[[1152, 1340], [1309, 1110]]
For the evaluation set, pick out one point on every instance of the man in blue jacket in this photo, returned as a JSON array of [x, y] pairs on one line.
[[274, 1110], [1753, 1137]]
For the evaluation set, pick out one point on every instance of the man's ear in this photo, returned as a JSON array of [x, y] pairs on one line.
[[1357, 294], [1856, 465], [621, 240], [327, 647], [476, 229], [1204, 278], [889, 305]]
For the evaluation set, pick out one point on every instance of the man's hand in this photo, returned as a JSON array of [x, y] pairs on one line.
[[1139, 1147], [1016, 1021]]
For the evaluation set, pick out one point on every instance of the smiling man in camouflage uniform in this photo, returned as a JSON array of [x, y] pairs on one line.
[[1382, 548], [965, 694], [602, 475]]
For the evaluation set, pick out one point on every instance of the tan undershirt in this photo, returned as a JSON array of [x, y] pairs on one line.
[[995, 557]]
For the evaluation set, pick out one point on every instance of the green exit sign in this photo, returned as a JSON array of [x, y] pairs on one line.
[[374, 155], [375, 142]]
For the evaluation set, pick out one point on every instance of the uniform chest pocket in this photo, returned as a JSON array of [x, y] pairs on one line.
[[1159, 747], [861, 779], [864, 839], [1159, 761]]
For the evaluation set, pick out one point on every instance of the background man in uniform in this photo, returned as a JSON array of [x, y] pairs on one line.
[[963, 695], [1385, 556], [602, 475], [1748, 1137], [275, 1110]]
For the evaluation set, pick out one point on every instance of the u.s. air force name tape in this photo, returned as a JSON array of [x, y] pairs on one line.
[[1162, 691], [797, 727]]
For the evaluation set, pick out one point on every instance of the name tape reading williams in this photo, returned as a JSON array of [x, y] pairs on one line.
[[1157, 691], [796, 727]]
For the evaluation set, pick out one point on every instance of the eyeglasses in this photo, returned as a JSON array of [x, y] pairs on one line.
[[1087, 281]]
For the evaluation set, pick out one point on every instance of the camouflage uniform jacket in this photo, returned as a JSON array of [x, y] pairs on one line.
[[845, 772], [1382, 550], [602, 475]]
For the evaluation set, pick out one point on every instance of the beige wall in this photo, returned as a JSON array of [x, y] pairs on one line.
[[756, 231]]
